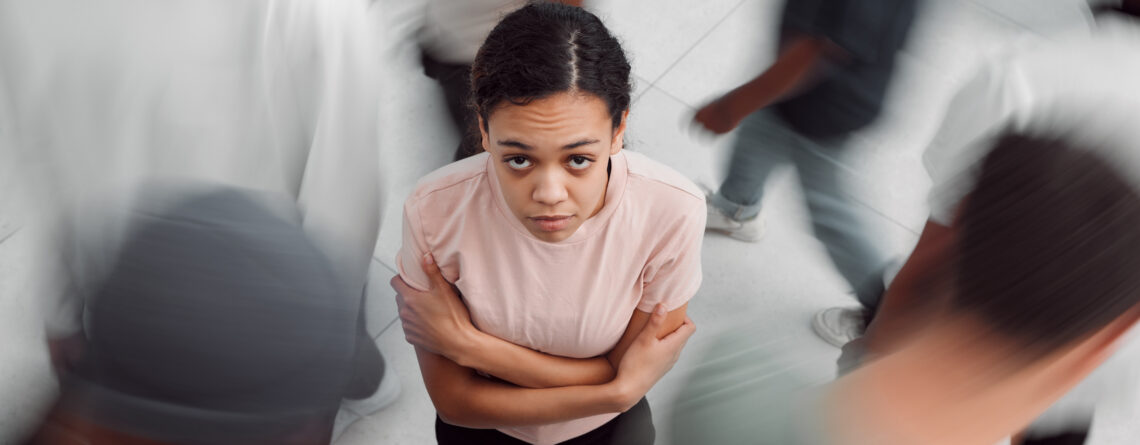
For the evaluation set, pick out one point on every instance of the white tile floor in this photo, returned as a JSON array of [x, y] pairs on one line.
[[683, 53]]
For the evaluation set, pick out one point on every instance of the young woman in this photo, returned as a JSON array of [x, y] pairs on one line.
[[544, 283]]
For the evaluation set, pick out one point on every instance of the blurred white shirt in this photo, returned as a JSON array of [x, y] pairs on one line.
[[455, 29], [97, 97]]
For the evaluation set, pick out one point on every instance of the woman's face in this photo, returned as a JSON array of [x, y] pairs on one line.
[[551, 156]]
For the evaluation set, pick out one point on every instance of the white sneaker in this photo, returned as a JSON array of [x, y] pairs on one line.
[[750, 230], [352, 410], [839, 325]]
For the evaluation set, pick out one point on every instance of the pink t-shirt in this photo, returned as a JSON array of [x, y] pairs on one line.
[[572, 298]]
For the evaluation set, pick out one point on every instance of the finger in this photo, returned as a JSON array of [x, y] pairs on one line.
[[656, 319], [398, 284], [435, 276], [683, 332]]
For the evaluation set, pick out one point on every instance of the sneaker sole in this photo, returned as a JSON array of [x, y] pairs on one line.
[[737, 236], [818, 326]]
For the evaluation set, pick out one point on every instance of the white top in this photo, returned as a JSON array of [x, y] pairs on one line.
[[274, 95], [573, 298], [1083, 89], [455, 29]]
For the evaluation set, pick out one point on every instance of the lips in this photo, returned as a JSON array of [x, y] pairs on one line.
[[551, 223]]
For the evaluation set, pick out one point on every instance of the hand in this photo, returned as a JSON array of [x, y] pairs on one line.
[[649, 358], [717, 116], [436, 319]]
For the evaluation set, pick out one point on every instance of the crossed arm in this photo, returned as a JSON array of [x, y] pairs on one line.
[[536, 388]]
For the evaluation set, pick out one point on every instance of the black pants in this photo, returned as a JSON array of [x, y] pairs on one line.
[[633, 427], [455, 79]]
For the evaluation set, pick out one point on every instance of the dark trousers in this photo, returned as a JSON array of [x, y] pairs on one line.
[[633, 427], [455, 79]]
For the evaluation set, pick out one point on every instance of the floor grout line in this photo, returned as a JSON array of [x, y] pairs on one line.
[[386, 327], [698, 42], [385, 265]]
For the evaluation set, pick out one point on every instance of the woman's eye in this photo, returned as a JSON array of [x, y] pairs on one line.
[[579, 162], [518, 162]]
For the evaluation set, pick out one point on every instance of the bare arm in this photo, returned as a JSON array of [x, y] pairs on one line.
[[527, 367], [437, 320], [464, 398], [793, 71]]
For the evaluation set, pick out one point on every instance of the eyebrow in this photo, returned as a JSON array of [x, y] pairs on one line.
[[570, 146]]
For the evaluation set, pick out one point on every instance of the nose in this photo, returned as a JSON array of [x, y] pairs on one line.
[[550, 188]]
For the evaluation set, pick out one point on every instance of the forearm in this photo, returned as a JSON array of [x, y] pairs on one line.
[[792, 72], [533, 369], [464, 398]]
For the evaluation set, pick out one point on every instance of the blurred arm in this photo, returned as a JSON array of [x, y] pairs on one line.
[[794, 70]]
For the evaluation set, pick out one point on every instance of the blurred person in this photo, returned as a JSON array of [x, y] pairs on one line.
[[545, 282], [219, 323], [833, 69], [271, 95], [1042, 290], [452, 33], [1079, 86]]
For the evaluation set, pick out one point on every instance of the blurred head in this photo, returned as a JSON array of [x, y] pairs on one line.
[[551, 90], [1049, 246], [220, 322]]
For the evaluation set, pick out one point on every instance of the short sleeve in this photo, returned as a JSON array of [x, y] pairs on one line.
[[673, 276], [980, 111], [408, 259]]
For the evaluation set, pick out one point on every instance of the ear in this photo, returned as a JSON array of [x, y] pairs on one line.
[[619, 134], [483, 138]]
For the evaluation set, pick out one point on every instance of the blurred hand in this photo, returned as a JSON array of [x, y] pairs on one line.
[[649, 358], [436, 319], [717, 117]]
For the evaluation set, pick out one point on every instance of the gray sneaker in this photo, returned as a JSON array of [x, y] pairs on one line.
[[839, 325], [750, 230]]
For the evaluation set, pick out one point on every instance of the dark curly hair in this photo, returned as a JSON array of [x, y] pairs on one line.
[[546, 48]]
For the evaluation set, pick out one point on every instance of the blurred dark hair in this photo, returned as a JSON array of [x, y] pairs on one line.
[[1049, 243], [547, 48]]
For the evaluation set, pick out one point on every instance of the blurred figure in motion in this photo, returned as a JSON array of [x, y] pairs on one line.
[[1043, 290], [452, 33], [271, 95], [835, 63], [219, 323], [1081, 87]]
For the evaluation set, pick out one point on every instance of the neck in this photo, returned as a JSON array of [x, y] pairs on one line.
[[950, 384]]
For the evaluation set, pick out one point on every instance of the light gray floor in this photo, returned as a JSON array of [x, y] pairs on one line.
[[684, 52]]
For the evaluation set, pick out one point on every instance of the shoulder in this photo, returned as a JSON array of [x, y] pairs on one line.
[[451, 182], [661, 180], [664, 195]]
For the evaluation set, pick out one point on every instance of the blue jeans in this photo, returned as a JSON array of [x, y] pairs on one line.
[[764, 143]]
